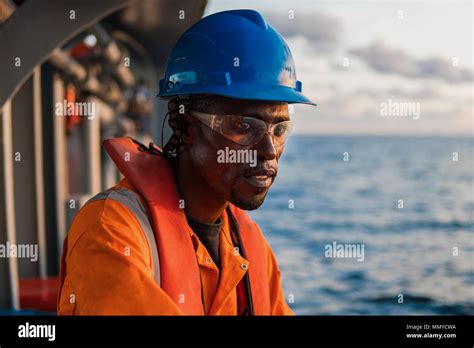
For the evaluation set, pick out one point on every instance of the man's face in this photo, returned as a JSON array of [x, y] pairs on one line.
[[243, 184]]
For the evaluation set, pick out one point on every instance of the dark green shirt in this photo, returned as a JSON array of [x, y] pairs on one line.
[[208, 234]]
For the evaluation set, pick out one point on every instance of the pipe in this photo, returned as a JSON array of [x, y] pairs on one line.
[[113, 55], [110, 93]]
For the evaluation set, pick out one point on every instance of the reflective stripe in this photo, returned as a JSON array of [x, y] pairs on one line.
[[129, 199]]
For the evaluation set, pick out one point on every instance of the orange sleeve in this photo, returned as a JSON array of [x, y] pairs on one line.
[[277, 298], [106, 266]]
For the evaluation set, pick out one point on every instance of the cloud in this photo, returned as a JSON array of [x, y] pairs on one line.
[[322, 31], [384, 59], [418, 94], [360, 113], [349, 99]]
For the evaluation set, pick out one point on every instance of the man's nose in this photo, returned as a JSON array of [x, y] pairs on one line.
[[265, 148]]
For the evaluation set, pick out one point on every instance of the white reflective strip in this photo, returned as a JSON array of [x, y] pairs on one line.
[[129, 199]]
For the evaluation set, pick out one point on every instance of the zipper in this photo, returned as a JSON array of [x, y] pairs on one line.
[[239, 244], [202, 293], [202, 289]]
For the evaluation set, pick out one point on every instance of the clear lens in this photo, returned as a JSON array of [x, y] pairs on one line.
[[245, 130], [280, 132], [242, 130]]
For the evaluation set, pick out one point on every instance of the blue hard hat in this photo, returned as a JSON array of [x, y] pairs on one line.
[[234, 54]]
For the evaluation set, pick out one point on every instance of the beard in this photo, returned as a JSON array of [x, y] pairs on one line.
[[244, 203]]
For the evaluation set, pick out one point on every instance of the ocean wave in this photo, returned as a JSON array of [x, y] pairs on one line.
[[407, 250], [402, 226]]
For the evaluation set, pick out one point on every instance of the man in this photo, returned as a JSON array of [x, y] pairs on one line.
[[172, 238]]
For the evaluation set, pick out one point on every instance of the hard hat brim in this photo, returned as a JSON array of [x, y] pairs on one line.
[[245, 91]]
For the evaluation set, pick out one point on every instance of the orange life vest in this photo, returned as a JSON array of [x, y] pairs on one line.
[[152, 176]]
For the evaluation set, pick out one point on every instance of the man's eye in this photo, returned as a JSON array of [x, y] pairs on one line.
[[242, 126], [279, 130]]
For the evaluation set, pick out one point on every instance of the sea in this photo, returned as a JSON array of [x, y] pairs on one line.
[[407, 202]]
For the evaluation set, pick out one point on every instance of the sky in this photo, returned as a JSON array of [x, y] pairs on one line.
[[357, 58]]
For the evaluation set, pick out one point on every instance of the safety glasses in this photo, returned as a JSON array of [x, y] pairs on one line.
[[244, 130]]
